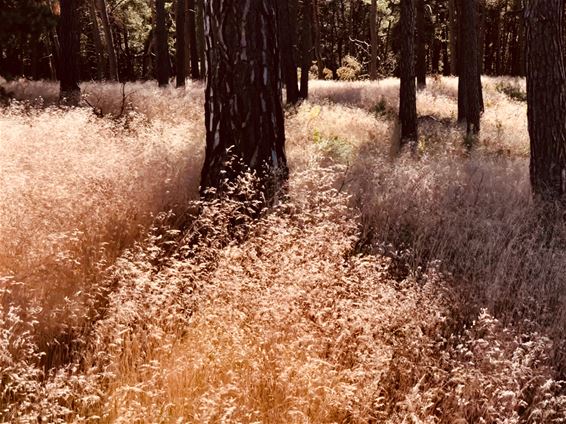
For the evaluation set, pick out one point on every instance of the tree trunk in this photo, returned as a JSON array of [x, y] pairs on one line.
[[243, 108], [288, 66], [306, 48], [180, 60], [546, 97], [317, 40], [407, 95], [452, 35], [193, 45], [470, 102], [109, 38], [69, 38], [162, 46], [421, 45], [374, 40], [97, 40], [519, 49], [200, 37]]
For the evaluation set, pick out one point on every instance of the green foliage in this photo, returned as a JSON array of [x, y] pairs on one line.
[[513, 91], [334, 147], [380, 108]]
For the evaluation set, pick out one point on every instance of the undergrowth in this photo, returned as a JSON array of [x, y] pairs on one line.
[[422, 289]]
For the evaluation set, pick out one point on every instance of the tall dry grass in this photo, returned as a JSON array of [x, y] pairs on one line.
[[412, 290]]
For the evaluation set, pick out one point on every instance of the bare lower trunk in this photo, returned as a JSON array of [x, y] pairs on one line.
[[408, 102], [243, 108], [470, 92], [452, 29], [421, 45], [306, 48], [69, 37], [288, 66], [546, 97], [193, 44], [109, 38], [181, 66], [100, 62], [374, 40], [162, 46]]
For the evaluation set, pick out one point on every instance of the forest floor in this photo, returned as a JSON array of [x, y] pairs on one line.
[[391, 288]]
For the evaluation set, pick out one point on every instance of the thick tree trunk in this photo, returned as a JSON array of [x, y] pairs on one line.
[[162, 46], [288, 65], [243, 109], [546, 97], [408, 102], [69, 38], [374, 40], [470, 102], [180, 59], [109, 38], [306, 48], [421, 45]]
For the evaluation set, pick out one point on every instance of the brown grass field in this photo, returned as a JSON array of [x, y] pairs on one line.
[[411, 288]]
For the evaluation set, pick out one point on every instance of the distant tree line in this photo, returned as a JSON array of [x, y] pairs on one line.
[[121, 39]]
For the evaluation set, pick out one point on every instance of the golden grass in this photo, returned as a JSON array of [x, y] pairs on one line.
[[369, 297]]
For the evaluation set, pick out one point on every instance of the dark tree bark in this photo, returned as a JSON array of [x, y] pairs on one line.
[[421, 45], [69, 38], [200, 37], [243, 110], [288, 65], [452, 29], [162, 46], [470, 104], [546, 97], [193, 46], [317, 38], [180, 59], [306, 48], [100, 62], [109, 38], [519, 47], [408, 101], [374, 40]]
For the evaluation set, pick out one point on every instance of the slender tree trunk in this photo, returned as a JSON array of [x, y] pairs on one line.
[[69, 37], [317, 40], [408, 102], [109, 38], [306, 48], [162, 46], [452, 25], [147, 68], [351, 23], [421, 45], [97, 40], [374, 40], [288, 66], [200, 40], [469, 87], [180, 61], [243, 109], [519, 49], [546, 97], [193, 46]]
